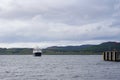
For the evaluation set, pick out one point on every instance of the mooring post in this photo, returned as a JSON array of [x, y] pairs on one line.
[[111, 55], [114, 56], [107, 55], [104, 56]]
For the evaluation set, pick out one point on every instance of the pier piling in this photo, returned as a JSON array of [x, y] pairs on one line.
[[111, 56]]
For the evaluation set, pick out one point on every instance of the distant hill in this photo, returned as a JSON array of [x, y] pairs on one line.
[[84, 49], [69, 48], [66, 50], [15, 51]]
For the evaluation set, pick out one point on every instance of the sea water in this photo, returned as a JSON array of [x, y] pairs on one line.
[[57, 67]]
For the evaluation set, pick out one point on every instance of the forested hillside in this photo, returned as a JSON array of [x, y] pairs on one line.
[[67, 50], [85, 49]]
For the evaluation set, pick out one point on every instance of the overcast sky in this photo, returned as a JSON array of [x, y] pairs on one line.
[[27, 23]]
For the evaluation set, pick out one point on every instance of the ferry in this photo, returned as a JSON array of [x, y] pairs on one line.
[[37, 51]]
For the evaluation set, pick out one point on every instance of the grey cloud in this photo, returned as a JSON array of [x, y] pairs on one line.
[[80, 12], [59, 20], [89, 11]]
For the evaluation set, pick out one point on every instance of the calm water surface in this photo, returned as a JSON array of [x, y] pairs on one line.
[[57, 67]]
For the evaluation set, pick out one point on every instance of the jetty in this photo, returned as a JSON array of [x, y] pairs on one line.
[[111, 56]]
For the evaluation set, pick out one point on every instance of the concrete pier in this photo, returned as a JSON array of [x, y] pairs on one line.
[[111, 56]]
